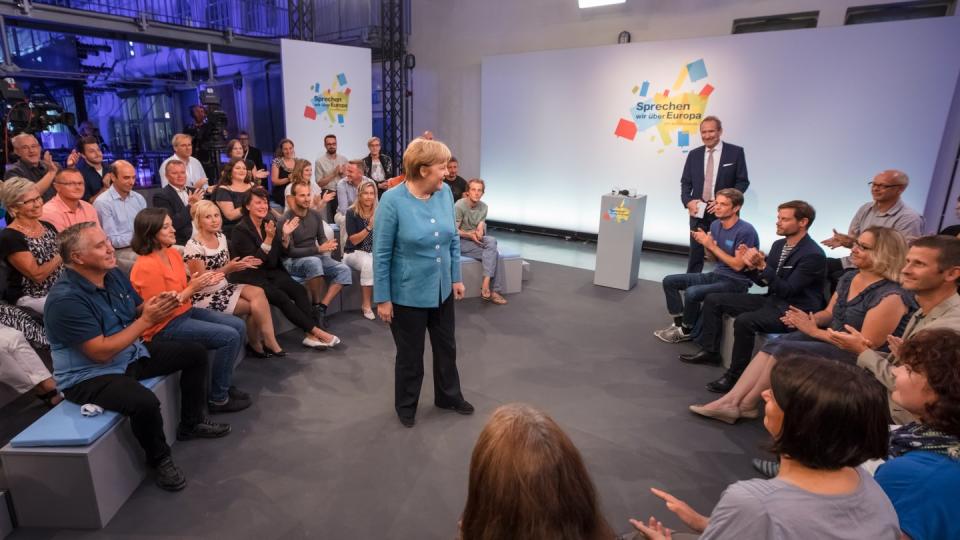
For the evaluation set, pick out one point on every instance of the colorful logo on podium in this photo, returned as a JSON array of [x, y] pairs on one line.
[[620, 214], [332, 103], [675, 112]]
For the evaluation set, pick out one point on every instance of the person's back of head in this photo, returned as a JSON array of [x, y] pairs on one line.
[[528, 480], [833, 415]]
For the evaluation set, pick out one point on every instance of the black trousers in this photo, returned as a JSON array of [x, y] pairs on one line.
[[408, 328], [695, 263], [754, 314], [289, 296], [123, 394]]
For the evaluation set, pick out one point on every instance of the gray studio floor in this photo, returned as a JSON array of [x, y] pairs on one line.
[[322, 455]]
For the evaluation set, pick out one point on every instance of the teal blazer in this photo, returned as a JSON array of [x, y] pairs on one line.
[[416, 248]]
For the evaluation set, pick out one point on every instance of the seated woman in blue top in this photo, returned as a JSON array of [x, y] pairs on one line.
[[826, 418], [869, 300], [922, 476], [416, 278]]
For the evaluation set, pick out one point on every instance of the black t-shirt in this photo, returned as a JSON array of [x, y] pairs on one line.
[[952, 230], [458, 185]]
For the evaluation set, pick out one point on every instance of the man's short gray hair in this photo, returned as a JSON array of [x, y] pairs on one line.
[[71, 239], [166, 168], [21, 138]]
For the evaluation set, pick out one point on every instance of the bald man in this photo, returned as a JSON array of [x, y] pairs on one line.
[[117, 208]]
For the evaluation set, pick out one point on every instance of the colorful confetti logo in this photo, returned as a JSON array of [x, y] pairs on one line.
[[620, 214], [676, 112], [332, 102]]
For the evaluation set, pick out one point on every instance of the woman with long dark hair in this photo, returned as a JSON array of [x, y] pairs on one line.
[[235, 182], [256, 236]]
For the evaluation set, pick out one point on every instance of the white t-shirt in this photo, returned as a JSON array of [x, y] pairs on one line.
[[195, 171]]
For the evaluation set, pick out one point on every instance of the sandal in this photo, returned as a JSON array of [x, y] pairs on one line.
[[497, 298], [485, 295]]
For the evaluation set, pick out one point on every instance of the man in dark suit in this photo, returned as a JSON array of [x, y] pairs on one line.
[[709, 168], [251, 153], [793, 273], [176, 198]]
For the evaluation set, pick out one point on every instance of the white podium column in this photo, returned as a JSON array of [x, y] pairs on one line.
[[619, 241]]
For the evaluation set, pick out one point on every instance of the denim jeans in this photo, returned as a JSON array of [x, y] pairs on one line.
[[216, 331], [488, 255], [304, 269], [696, 287]]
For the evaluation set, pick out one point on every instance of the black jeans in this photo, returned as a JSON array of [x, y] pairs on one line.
[[290, 297], [754, 314], [695, 263], [123, 394], [408, 327]]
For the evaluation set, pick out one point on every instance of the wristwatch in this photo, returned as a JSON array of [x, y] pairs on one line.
[[368, 228]]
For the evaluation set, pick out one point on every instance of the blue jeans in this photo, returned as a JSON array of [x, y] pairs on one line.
[[216, 331], [303, 269], [696, 287]]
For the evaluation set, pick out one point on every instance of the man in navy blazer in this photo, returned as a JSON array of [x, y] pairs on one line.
[[793, 274], [177, 198], [729, 170]]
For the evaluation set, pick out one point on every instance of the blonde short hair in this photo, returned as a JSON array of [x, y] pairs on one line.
[[198, 209], [423, 153], [11, 190], [372, 139], [889, 252]]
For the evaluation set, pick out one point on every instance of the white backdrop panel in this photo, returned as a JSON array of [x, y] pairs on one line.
[[818, 112], [326, 89]]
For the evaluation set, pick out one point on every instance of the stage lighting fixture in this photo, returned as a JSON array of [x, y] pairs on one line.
[[597, 3]]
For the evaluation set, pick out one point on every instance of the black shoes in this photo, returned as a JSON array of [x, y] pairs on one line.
[[169, 476], [701, 357], [235, 393], [204, 430], [407, 421], [460, 408], [232, 404], [266, 353], [723, 384]]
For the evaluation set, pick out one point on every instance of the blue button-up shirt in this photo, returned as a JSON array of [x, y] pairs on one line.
[[80, 311], [116, 215], [416, 248]]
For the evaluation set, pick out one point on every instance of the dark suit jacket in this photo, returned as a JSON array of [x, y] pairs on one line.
[[179, 213], [731, 172], [256, 156], [801, 277]]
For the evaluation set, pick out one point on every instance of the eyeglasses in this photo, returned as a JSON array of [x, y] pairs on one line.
[[30, 201], [862, 247], [882, 186]]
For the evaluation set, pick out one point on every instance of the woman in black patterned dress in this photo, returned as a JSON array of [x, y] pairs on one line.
[[207, 250], [29, 246]]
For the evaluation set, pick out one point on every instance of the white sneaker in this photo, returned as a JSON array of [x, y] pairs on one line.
[[317, 344], [368, 314], [672, 334]]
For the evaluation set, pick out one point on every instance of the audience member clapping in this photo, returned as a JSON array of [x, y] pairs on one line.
[[357, 252], [302, 173], [869, 299], [207, 252], [67, 207], [235, 150], [256, 236], [234, 184], [284, 160], [160, 270], [922, 476], [528, 480], [826, 418], [29, 245]]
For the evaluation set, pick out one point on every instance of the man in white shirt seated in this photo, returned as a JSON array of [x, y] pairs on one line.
[[183, 151]]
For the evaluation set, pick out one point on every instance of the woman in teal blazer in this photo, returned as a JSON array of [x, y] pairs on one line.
[[416, 269]]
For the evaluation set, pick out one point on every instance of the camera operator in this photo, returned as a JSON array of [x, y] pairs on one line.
[[30, 166], [203, 135]]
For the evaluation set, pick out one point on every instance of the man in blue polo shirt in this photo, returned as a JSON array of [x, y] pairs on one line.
[[98, 356], [727, 234]]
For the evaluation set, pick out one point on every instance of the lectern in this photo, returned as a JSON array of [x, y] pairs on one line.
[[619, 241]]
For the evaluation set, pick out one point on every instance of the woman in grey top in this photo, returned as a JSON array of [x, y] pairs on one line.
[[825, 418]]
